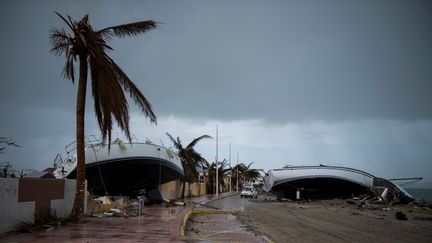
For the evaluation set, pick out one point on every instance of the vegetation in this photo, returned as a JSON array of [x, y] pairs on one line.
[[243, 174], [6, 142], [109, 83], [223, 176], [6, 167], [189, 158]]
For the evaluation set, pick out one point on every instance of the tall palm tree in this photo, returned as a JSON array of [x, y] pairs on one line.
[[189, 158], [109, 83]]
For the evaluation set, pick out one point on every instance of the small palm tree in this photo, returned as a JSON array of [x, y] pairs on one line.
[[109, 83], [223, 176], [190, 159], [243, 174]]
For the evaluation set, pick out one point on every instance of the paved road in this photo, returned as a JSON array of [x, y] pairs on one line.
[[233, 202], [210, 227]]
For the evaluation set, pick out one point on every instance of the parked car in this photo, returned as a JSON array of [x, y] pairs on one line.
[[249, 191]]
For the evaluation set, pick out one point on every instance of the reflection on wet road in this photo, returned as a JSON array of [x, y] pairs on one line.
[[217, 224], [233, 202]]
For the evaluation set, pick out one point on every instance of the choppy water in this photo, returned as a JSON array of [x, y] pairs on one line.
[[423, 193]]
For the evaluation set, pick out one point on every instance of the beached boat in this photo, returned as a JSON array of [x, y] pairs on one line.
[[328, 182], [124, 170]]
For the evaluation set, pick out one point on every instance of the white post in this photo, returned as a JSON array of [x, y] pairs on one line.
[[230, 167], [217, 172]]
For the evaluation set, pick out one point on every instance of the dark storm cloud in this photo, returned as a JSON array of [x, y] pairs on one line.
[[304, 61], [278, 60]]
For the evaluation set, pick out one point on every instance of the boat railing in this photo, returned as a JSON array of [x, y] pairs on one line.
[[328, 167], [58, 160], [90, 141]]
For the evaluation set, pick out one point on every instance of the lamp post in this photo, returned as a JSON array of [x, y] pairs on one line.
[[230, 176], [217, 172], [237, 174]]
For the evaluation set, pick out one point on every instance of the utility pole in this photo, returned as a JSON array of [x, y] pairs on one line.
[[230, 167], [237, 174], [217, 171]]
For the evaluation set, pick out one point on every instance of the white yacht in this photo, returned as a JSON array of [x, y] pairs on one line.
[[124, 170], [328, 182]]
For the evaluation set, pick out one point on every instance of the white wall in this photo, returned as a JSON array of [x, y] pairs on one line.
[[13, 212]]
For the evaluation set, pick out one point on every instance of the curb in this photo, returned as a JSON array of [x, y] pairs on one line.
[[183, 223], [208, 211], [265, 238]]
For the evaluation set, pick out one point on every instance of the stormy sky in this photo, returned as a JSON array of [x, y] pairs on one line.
[[288, 82]]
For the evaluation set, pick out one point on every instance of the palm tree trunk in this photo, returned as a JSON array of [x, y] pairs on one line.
[[78, 207], [183, 190]]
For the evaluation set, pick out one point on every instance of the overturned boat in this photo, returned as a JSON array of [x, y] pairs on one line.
[[321, 182], [126, 169]]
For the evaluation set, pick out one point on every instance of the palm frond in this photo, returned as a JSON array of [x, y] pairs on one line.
[[196, 140], [69, 70], [70, 23], [177, 145], [108, 95], [131, 29], [139, 99], [60, 41]]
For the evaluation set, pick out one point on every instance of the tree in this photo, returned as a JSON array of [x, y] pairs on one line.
[[189, 158], [109, 83], [223, 173], [243, 173], [6, 142], [6, 167]]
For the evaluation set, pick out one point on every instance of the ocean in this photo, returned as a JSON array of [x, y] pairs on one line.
[[423, 193]]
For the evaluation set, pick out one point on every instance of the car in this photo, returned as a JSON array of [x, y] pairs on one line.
[[249, 191]]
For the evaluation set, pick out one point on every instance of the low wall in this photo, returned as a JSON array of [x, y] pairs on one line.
[[173, 190], [23, 198]]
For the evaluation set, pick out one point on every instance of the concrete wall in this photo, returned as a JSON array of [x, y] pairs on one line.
[[21, 199], [173, 190]]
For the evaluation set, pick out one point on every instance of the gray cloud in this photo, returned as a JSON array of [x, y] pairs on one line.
[[280, 62]]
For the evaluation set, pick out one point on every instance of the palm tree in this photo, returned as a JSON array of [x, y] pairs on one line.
[[189, 158], [243, 173], [222, 174], [109, 83]]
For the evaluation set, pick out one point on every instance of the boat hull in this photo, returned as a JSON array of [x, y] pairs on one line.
[[128, 176], [124, 169], [320, 182]]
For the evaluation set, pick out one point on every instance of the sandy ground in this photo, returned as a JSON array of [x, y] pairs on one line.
[[219, 228], [336, 221]]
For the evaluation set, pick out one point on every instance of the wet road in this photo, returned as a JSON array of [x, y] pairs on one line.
[[233, 202], [210, 227]]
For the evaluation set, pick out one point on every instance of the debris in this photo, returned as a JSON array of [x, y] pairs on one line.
[[386, 209], [350, 201], [421, 203], [401, 216], [368, 205], [113, 212], [422, 218], [180, 203]]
